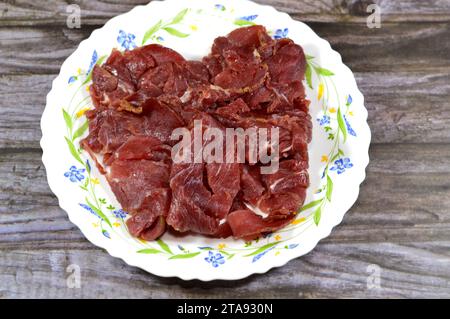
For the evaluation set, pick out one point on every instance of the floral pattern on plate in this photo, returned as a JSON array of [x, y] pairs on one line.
[[340, 129]]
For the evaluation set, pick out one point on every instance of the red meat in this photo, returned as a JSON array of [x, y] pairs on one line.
[[248, 81]]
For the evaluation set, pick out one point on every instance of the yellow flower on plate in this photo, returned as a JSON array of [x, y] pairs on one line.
[[324, 159], [88, 88], [277, 253], [350, 113], [95, 181], [95, 225], [221, 246], [277, 237], [79, 71], [298, 221], [320, 94], [332, 110], [116, 224], [81, 112], [194, 27]]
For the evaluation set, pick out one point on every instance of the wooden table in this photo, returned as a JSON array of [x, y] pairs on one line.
[[400, 223]]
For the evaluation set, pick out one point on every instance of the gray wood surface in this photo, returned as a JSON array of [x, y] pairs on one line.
[[401, 221]]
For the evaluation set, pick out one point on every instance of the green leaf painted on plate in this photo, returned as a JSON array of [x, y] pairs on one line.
[[185, 256], [98, 212], [262, 248], [206, 248], [164, 246], [179, 17], [329, 188], [224, 252], [335, 157], [308, 76], [80, 131], [311, 205], [323, 71], [175, 32], [73, 150], [309, 57], [151, 31], [243, 23], [67, 119], [149, 251], [317, 215], [341, 124]]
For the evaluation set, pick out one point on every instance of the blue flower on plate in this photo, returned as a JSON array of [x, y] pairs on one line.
[[120, 213], [75, 174], [349, 100], [215, 260], [160, 39], [94, 60], [89, 209], [220, 7], [106, 234], [323, 173], [281, 33], [324, 120], [349, 127], [126, 40], [257, 257], [341, 165], [292, 246], [72, 79], [249, 18]]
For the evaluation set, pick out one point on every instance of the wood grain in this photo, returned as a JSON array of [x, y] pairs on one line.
[[94, 12], [401, 221], [400, 174], [395, 47], [394, 84]]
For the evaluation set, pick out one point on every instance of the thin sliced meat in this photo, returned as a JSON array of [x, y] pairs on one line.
[[142, 189], [155, 231], [249, 81], [143, 147], [205, 191], [246, 225]]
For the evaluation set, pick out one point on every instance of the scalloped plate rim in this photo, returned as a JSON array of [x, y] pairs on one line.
[[127, 256]]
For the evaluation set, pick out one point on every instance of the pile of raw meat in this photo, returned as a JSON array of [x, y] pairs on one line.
[[141, 96]]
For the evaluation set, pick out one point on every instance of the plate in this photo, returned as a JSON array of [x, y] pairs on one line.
[[338, 152]]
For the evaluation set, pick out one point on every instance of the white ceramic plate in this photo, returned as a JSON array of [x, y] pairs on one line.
[[338, 152]]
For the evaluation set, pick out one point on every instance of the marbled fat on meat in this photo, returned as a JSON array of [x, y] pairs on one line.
[[249, 80]]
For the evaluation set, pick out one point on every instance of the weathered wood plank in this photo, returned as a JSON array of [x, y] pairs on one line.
[[329, 271], [403, 107], [395, 83], [400, 222], [406, 195], [37, 50], [395, 47], [28, 12]]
